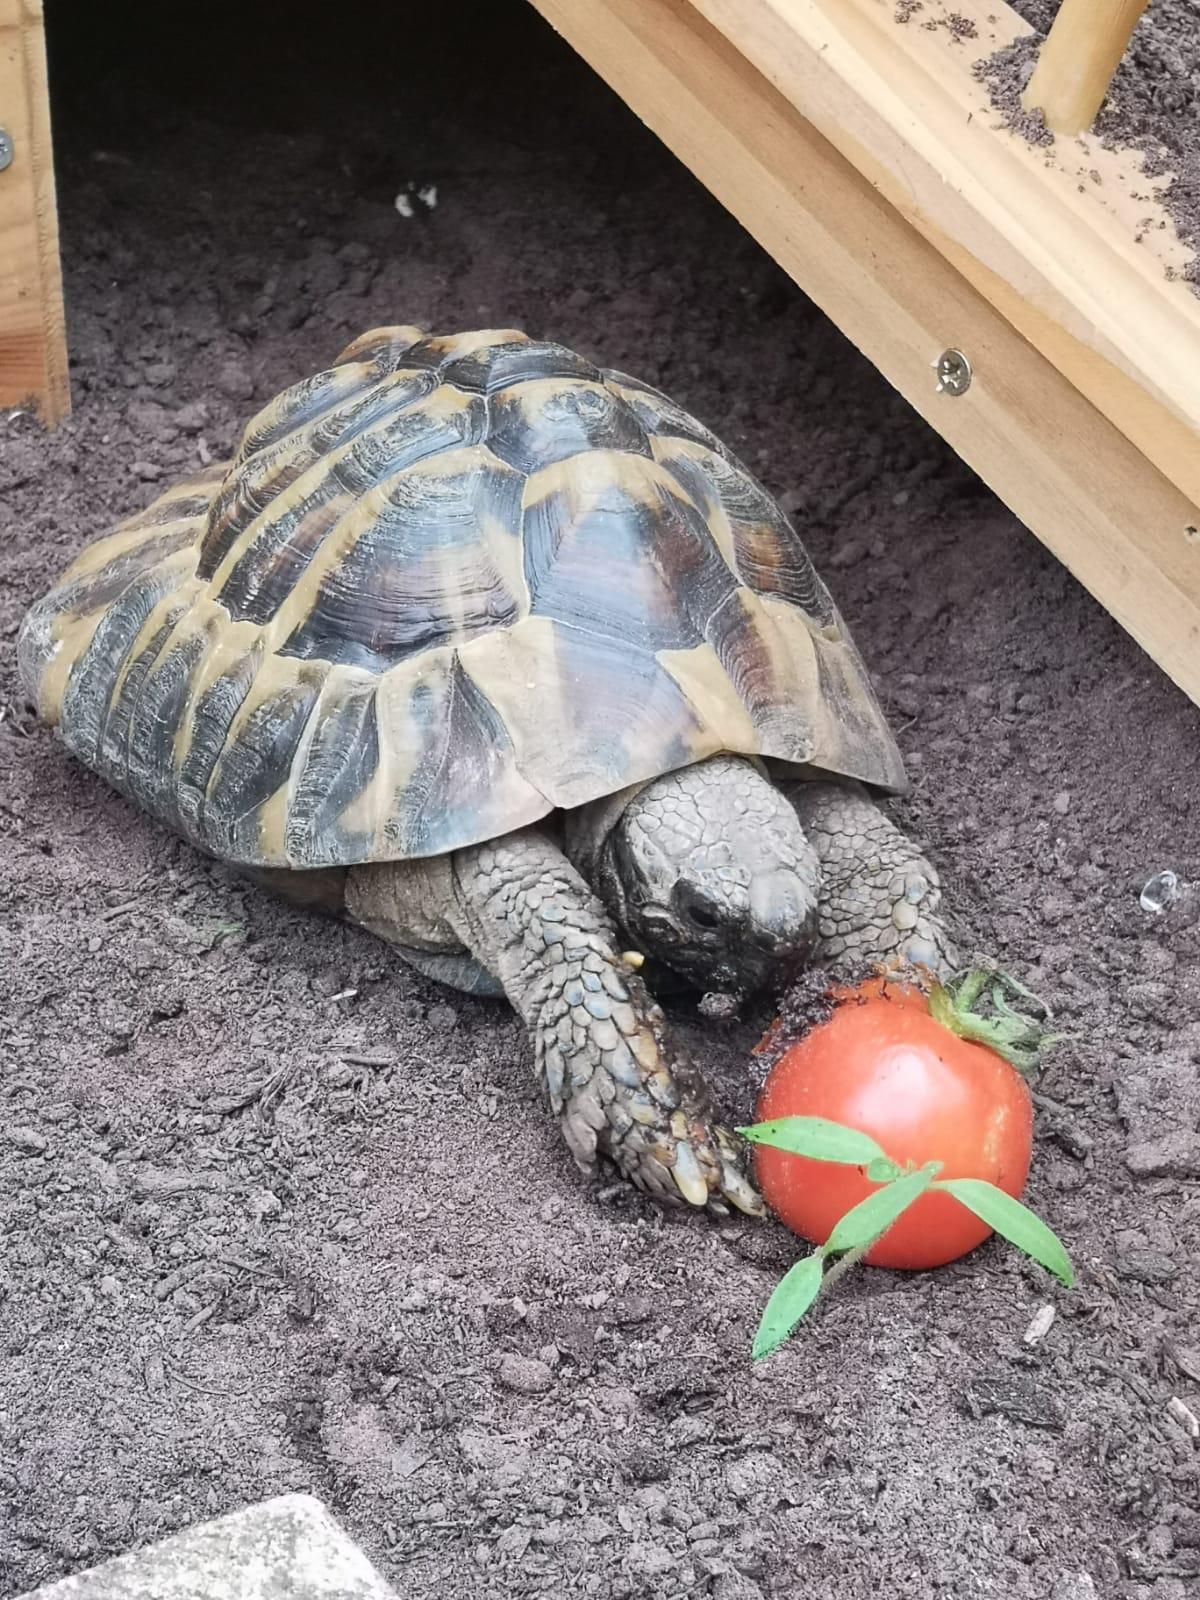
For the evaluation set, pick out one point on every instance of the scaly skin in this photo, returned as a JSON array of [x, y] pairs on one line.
[[880, 897], [600, 1042], [768, 873]]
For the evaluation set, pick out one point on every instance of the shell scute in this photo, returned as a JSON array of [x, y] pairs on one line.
[[535, 423], [428, 566], [213, 712], [256, 763], [89, 690], [613, 546], [519, 360], [342, 759]]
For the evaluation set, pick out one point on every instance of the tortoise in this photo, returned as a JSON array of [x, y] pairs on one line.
[[507, 659]]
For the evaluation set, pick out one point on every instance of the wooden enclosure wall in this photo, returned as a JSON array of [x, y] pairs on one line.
[[33, 352]]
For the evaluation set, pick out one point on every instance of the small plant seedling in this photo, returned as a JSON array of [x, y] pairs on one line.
[[819, 1139]]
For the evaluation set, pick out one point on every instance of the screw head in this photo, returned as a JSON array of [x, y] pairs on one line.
[[953, 373], [6, 149]]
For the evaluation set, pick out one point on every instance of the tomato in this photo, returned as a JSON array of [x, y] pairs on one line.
[[883, 1065]]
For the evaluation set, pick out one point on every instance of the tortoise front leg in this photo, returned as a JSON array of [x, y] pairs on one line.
[[601, 1047], [880, 898]]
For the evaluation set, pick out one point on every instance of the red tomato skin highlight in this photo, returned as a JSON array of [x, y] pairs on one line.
[[888, 1069]]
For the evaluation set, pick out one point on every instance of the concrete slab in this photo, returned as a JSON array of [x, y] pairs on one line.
[[289, 1548]]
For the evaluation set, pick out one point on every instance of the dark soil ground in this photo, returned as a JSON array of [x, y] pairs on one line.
[[276, 1213]]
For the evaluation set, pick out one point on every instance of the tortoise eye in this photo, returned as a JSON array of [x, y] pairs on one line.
[[699, 910]]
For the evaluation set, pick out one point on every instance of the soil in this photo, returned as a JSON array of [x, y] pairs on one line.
[[1153, 103], [279, 1214]]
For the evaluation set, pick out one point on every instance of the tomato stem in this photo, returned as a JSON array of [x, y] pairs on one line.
[[1020, 1038]]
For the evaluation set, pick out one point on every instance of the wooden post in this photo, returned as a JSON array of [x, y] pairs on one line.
[[33, 352], [1077, 61]]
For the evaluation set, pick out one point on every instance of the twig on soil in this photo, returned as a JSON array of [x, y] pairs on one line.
[[165, 1287], [114, 912], [240, 1264], [200, 1318], [199, 1388]]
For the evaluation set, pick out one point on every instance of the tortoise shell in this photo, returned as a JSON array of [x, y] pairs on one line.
[[445, 587]]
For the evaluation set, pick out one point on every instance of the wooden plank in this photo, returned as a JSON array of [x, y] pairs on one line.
[[33, 350], [1072, 476], [1072, 246]]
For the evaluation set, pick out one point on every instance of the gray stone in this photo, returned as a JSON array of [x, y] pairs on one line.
[[524, 1374], [284, 1549], [1146, 1266]]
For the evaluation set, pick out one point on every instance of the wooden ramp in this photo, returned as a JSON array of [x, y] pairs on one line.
[[862, 152]]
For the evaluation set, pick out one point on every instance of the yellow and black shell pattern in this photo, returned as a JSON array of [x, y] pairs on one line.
[[445, 587]]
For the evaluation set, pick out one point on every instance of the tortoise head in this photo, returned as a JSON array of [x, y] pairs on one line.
[[709, 873]]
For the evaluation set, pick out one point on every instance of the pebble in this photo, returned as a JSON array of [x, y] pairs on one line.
[[160, 372], [1039, 1326], [27, 1139], [1062, 802], [148, 471], [524, 1374], [1184, 1416], [443, 1017], [1146, 1266]]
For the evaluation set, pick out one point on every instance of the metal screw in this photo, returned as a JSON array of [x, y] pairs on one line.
[[953, 372], [6, 149]]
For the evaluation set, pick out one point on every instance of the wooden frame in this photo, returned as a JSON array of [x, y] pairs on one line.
[[33, 351], [865, 156]]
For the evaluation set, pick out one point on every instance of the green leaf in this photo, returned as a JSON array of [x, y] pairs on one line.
[[883, 1170], [1014, 1221], [863, 1223], [817, 1138], [793, 1295]]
